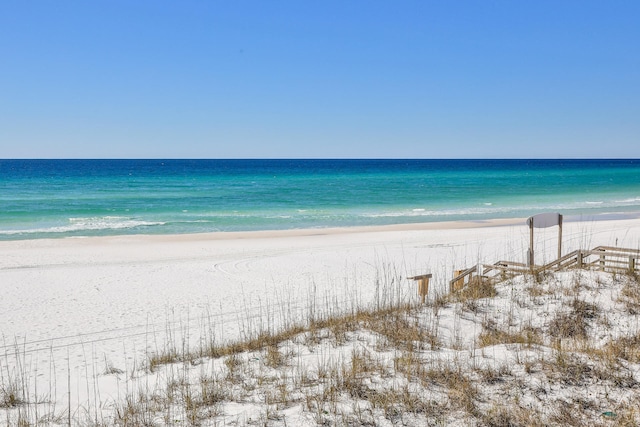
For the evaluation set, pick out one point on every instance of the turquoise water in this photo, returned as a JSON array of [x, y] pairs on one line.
[[61, 198]]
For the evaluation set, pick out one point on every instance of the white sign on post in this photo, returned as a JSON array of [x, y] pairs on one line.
[[544, 220]]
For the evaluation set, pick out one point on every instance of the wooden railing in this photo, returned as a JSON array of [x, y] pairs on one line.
[[604, 258]]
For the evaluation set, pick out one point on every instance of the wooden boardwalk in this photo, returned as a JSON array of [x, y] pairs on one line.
[[603, 258]]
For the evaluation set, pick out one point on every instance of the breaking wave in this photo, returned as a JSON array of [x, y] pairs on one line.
[[89, 224]]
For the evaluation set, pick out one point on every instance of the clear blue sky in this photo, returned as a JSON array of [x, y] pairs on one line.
[[343, 79]]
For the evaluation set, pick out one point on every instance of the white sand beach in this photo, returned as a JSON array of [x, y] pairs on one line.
[[71, 307]]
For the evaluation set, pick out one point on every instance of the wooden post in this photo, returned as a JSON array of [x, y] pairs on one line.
[[458, 284], [530, 244], [632, 264], [559, 236], [423, 288], [602, 262], [423, 285]]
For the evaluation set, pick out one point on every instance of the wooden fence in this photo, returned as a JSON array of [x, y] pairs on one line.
[[603, 258]]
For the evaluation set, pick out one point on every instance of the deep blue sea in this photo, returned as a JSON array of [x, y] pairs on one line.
[[62, 198]]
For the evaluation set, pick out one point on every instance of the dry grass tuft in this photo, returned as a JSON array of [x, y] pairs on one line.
[[491, 375], [13, 389], [478, 288], [397, 403], [565, 325], [463, 394], [137, 410], [402, 332], [274, 358], [627, 348], [511, 416], [10, 397], [569, 369], [584, 309], [492, 335], [630, 295], [541, 276], [461, 390], [538, 290], [565, 415], [574, 324]]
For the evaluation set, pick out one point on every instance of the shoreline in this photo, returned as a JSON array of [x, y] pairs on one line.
[[327, 231], [320, 231]]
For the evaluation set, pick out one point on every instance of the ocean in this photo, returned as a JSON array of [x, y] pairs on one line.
[[65, 198]]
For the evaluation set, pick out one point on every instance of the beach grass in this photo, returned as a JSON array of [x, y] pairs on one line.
[[499, 355]]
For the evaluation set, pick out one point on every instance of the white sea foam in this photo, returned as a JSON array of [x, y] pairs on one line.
[[631, 200], [488, 209], [92, 223], [444, 212]]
